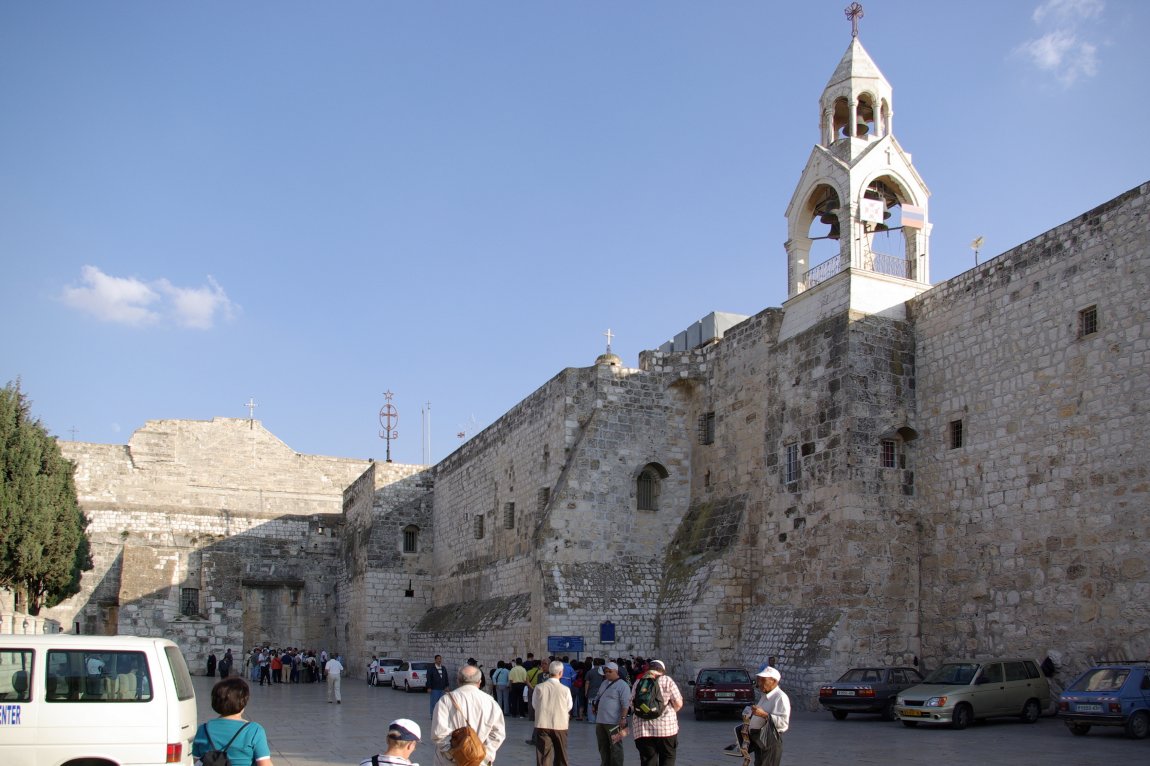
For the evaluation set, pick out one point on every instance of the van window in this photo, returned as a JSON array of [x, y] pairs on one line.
[[1016, 671], [991, 673], [180, 674], [15, 670], [78, 675]]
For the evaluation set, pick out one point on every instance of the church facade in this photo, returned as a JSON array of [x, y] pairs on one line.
[[882, 470]]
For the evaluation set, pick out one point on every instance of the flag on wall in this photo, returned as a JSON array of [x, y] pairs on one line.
[[913, 217]]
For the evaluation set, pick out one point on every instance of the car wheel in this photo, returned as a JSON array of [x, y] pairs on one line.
[[1030, 711], [888, 711], [910, 724], [406, 687], [1139, 725], [1078, 729], [840, 715], [700, 714], [961, 717]]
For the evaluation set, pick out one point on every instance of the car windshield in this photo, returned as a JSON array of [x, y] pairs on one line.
[[953, 673], [1101, 680], [862, 675]]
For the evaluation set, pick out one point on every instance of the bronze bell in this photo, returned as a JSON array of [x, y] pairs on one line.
[[834, 232], [828, 218]]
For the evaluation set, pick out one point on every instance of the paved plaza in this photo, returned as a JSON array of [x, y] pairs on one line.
[[306, 731]]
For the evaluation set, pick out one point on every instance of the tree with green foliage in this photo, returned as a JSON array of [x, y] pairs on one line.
[[43, 538]]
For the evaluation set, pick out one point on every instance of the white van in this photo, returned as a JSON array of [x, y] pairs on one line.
[[70, 700]]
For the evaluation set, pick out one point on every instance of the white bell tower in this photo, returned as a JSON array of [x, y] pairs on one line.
[[857, 225]]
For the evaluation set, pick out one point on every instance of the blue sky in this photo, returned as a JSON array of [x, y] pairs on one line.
[[313, 203]]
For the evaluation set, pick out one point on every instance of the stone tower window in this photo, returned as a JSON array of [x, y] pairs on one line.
[[792, 471], [544, 497], [707, 428], [190, 602], [888, 453], [479, 526], [647, 485], [1087, 321], [956, 434], [411, 539], [509, 515]]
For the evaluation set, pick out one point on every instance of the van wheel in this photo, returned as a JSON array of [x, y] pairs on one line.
[[840, 715], [1139, 725], [1030, 711], [1078, 729], [962, 717]]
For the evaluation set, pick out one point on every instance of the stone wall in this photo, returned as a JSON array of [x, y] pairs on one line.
[[1034, 528]]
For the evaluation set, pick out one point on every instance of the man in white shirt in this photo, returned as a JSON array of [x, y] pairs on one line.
[[773, 709], [476, 709], [552, 702], [334, 670]]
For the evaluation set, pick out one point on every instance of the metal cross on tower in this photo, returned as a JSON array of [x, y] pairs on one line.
[[609, 335], [251, 405], [854, 12], [388, 418]]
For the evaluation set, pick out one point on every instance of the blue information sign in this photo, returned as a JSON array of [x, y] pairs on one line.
[[565, 643]]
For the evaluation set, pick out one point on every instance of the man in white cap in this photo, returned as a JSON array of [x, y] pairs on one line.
[[772, 710], [402, 736]]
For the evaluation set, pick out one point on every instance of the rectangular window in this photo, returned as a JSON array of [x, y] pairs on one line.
[[78, 675], [707, 428], [15, 676], [792, 465], [410, 539], [889, 451], [544, 497], [479, 526], [955, 434], [1087, 321], [509, 515], [190, 602]]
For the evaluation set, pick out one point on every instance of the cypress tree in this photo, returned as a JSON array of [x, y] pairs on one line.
[[43, 538]]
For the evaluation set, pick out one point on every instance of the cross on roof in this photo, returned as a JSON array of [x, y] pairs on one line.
[[854, 12], [251, 405], [609, 335]]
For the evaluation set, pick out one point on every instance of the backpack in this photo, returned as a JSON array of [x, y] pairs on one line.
[[648, 700], [214, 757]]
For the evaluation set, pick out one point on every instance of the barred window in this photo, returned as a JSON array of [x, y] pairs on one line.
[[792, 464], [544, 497], [411, 539], [190, 602], [707, 428], [509, 515], [956, 434], [889, 453], [479, 526], [647, 487], [1087, 321]]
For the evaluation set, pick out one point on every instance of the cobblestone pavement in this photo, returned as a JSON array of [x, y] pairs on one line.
[[306, 731]]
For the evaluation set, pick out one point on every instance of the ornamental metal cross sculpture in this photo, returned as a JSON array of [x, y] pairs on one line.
[[388, 418], [251, 405], [854, 12]]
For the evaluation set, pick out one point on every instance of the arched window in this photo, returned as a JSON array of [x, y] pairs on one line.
[[411, 539], [647, 485]]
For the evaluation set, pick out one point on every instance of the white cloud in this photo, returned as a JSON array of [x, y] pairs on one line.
[[1064, 50], [130, 301], [1064, 11]]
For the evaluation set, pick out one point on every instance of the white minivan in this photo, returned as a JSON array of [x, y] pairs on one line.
[[68, 700]]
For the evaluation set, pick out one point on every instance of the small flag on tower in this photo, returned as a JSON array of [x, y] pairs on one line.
[[871, 210], [913, 217]]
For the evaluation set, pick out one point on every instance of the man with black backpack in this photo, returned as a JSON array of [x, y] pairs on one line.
[[655, 704]]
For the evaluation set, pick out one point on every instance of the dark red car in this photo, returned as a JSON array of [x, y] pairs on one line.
[[723, 690], [867, 690]]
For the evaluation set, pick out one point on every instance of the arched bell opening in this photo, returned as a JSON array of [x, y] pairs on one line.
[[825, 231], [892, 229], [862, 120]]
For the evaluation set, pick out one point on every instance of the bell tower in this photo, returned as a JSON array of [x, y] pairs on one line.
[[857, 225]]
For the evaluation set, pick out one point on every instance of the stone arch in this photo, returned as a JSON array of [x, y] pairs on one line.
[[648, 483]]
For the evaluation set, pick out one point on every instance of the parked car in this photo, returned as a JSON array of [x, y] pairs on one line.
[[867, 690], [1111, 694], [387, 666], [411, 676], [722, 690], [960, 692]]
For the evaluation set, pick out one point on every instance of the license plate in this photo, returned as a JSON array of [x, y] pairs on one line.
[[725, 695], [846, 693], [911, 713], [1084, 708]]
